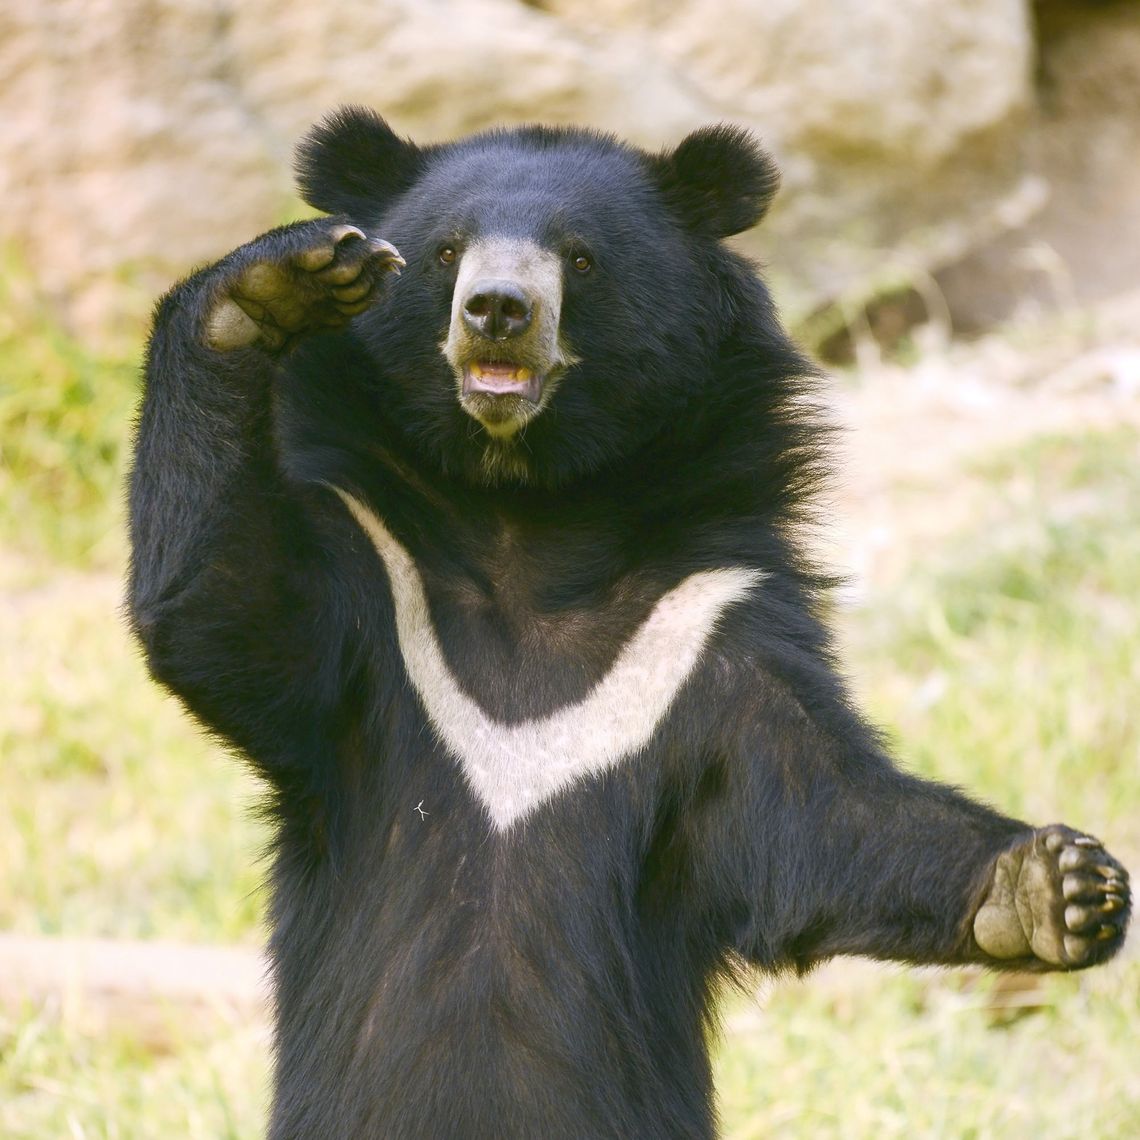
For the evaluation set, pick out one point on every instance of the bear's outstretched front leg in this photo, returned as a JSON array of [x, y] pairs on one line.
[[886, 866], [1058, 897], [831, 850], [915, 871]]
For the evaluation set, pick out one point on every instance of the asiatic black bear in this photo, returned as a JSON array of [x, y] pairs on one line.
[[491, 569]]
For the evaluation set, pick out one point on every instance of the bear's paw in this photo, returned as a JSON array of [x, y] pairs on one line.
[[294, 281], [1058, 897]]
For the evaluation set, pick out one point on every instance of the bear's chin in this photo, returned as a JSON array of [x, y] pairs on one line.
[[501, 417]]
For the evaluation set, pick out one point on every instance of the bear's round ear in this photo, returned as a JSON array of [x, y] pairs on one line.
[[717, 181], [353, 163]]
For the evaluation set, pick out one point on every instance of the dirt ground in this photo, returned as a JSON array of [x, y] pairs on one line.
[[912, 433]]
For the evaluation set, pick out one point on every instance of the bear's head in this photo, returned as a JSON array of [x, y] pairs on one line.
[[565, 295]]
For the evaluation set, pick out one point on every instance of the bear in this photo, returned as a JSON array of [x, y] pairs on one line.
[[471, 513]]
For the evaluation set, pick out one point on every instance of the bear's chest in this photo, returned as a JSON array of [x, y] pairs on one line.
[[527, 703]]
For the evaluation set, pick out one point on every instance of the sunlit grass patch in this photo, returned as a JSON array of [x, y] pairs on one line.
[[120, 818], [64, 417], [59, 1078], [1011, 663], [873, 1053]]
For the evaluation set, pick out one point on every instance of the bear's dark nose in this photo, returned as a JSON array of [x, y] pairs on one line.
[[497, 310]]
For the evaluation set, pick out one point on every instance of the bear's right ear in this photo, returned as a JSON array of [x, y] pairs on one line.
[[718, 181], [353, 163]]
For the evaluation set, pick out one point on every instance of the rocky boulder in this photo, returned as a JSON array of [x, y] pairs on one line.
[[139, 138]]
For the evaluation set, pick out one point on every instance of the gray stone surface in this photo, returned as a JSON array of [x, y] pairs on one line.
[[139, 137]]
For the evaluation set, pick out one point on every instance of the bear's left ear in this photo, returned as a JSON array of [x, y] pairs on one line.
[[718, 181], [353, 163]]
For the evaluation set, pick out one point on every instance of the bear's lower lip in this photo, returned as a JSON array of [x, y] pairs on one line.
[[501, 379]]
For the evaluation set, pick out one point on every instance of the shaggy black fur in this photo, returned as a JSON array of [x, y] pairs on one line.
[[435, 977]]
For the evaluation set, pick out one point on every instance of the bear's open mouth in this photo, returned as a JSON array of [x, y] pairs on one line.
[[501, 378]]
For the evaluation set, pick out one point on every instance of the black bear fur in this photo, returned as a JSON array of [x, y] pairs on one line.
[[436, 975]]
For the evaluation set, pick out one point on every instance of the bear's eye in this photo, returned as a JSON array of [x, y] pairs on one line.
[[582, 263], [446, 254]]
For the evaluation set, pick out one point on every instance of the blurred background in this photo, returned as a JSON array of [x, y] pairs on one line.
[[957, 239]]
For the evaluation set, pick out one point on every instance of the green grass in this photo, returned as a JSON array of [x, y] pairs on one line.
[[62, 1078], [1008, 663], [122, 819], [1015, 668], [63, 418], [920, 1055]]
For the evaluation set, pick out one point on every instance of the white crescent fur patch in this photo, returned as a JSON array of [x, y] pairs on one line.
[[513, 768]]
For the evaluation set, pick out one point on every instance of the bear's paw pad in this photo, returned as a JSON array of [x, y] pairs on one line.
[[1058, 897], [295, 281]]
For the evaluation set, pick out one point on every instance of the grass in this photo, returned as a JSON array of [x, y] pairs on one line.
[[63, 414], [1007, 663], [62, 1077], [919, 1055], [1023, 652], [122, 820]]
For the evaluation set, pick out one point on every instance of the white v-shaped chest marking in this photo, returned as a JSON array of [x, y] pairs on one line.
[[513, 768]]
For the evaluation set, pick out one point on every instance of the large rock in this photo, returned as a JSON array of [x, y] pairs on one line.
[[126, 148], [1084, 246], [451, 67], [879, 80], [896, 124], [140, 137]]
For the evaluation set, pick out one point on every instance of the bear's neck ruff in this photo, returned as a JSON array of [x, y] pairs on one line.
[[512, 769]]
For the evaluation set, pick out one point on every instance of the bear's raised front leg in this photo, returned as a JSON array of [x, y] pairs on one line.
[[226, 572], [1058, 897], [204, 453], [297, 280]]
